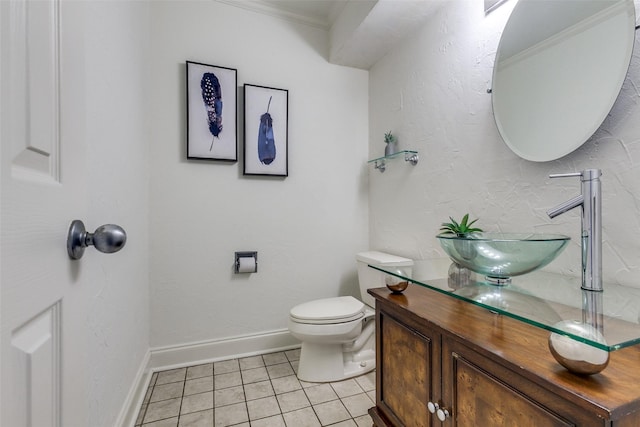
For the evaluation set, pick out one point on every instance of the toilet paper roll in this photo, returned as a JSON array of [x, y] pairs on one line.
[[246, 265]]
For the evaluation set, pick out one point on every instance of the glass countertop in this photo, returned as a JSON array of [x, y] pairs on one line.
[[550, 301]]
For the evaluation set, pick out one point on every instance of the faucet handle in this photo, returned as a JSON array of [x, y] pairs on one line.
[[585, 175], [565, 175]]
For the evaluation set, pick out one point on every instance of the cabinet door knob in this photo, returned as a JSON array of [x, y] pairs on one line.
[[442, 414], [432, 407]]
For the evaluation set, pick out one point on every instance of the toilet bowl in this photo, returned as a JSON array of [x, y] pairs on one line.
[[338, 334]]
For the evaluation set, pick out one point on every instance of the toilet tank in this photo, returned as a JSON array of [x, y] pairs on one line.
[[371, 278]]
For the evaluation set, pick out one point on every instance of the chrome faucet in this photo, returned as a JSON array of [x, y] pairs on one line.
[[591, 225]]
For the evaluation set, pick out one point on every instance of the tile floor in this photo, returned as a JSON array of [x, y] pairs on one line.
[[257, 391]]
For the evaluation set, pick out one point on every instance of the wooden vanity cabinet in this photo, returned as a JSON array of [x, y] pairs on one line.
[[486, 369]]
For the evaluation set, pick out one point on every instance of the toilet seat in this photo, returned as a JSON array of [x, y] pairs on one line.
[[328, 311]]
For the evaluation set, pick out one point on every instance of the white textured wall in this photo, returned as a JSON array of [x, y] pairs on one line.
[[306, 228], [117, 323], [431, 91]]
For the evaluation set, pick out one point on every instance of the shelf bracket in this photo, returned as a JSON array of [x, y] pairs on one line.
[[381, 165], [411, 158]]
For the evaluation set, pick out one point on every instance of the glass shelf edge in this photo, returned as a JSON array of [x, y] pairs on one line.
[[392, 156], [610, 347]]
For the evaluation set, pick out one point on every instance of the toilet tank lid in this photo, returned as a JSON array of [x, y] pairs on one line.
[[382, 259]]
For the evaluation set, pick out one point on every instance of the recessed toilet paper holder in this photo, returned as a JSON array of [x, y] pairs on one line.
[[246, 254]]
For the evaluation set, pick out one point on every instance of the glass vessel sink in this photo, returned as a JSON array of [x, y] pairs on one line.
[[499, 256]]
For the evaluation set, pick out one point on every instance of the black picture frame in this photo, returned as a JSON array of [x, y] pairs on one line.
[[212, 121], [266, 131]]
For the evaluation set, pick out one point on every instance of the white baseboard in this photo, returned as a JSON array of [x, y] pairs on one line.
[[129, 411], [177, 356], [225, 348]]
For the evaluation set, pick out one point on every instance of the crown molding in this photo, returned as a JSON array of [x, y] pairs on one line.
[[266, 8]]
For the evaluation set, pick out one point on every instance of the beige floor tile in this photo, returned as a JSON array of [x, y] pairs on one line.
[[228, 396], [320, 394], [301, 418], [226, 366], [367, 381], [293, 355], [274, 358], [197, 402], [169, 422], [231, 415], [258, 390], [147, 396], [167, 391], [251, 362], [358, 404], [364, 421], [197, 419], [262, 408], [372, 395], [306, 384], [161, 410], [346, 388], [275, 421], [286, 384], [331, 412], [143, 409], [198, 371], [293, 401], [345, 423], [198, 385], [227, 380], [171, 376], [263, 389], [280, 370], [254, 375]]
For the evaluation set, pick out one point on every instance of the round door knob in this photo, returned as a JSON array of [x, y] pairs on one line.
[[107, 238], [432, 407], [442, 414]]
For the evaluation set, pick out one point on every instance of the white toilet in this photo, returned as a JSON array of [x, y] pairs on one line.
[[337, 334]]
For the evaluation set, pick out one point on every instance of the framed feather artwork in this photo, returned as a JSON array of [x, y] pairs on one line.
[[266, 135], [212, 122]]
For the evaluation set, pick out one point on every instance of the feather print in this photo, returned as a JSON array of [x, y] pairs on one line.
[[266, 143], [212, 98]]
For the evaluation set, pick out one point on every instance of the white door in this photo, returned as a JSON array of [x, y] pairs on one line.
[[42, 362]]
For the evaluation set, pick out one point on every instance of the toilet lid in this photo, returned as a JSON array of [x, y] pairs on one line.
[[328, 310]]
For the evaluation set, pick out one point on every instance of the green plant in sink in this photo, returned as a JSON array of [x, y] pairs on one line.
[[464, 228], [460, 276], [460, 229]]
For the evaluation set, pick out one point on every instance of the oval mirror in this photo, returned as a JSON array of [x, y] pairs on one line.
[[559, 68]]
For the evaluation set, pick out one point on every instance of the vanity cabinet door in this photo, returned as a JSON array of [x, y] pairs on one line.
[[408, 371], [479, 391]]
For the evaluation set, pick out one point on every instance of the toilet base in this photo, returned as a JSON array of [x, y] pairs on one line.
[[320, 363]]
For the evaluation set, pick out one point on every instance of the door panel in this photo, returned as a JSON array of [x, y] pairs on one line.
[[42, 366], [34, 75], [481, 398], [406, 364], [36, 369]]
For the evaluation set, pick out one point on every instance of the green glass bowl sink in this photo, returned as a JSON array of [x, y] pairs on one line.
[[500, 256]]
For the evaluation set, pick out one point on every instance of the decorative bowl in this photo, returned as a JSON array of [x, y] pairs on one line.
[[500, 256], [396, 284], [576, 356]]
